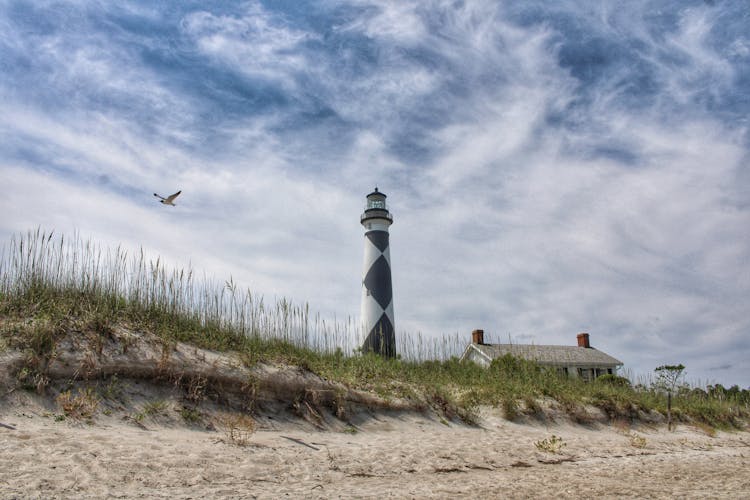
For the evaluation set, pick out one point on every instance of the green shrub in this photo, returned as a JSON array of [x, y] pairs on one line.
[[190, 415], [614, 380]]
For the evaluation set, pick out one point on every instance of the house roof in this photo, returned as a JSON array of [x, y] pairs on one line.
[[555, 355]]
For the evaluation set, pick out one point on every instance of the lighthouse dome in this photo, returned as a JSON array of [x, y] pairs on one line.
[[376, 200], [376, 208]]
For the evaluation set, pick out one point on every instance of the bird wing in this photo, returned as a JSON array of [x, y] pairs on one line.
[[158, 196], [171, 197]]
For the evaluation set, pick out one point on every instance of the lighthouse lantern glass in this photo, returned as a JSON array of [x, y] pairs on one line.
[[376, 204]]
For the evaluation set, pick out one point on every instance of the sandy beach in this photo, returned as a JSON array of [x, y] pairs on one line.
[[391, 455], [296, 435]]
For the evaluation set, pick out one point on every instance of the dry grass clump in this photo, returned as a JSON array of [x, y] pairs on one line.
[[552, 444], [83, 405], [151, 409], [637, 441], [237, 427]]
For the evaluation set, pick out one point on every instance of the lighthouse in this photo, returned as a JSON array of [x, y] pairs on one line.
[[377, 292]]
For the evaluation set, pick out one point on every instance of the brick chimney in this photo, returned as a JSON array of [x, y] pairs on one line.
[[583, 340], [477, 337]]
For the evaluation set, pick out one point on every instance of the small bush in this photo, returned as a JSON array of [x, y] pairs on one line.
[[150, 409], [153, 408], [552, 444], [113, 389], [613, 380], [510, 408], [237, 428], [82, 405], [190, 415], [42, 342], [637, 441], [532, 406], [32, 380]]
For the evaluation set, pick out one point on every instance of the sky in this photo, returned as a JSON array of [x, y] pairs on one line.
[[552, 167]]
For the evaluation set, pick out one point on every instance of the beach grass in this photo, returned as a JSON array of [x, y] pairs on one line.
[[53, 285]]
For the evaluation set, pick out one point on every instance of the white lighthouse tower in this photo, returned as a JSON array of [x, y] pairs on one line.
[[377, 291]]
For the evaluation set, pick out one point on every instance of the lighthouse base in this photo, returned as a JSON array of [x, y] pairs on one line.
[[381, 339]]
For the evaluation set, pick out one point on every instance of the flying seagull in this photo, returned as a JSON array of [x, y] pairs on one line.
[[169, 199]]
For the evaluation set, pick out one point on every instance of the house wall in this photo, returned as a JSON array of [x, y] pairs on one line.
[[477, 358], [588, 372], [583, 371]]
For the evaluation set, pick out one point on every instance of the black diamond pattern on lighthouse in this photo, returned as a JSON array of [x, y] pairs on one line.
[[378, 282], [379, 239], [377, 288]]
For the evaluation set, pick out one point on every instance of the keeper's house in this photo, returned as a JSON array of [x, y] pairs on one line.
[[580, 361]]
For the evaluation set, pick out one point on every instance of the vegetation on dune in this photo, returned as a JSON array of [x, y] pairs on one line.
[[51, 286]]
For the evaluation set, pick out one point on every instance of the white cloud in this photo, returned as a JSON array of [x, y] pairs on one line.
[[395, 22], [251, 43]]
